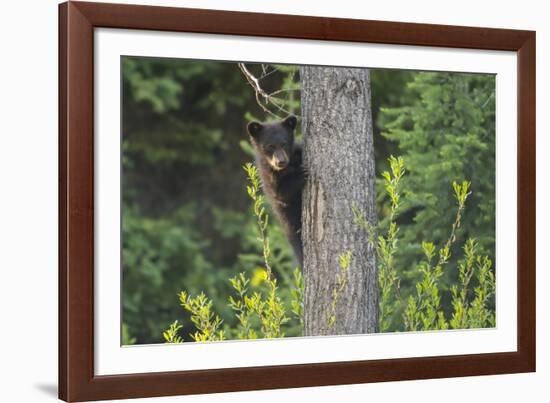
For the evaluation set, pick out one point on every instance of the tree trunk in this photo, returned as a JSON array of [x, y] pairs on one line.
[[339, 157]]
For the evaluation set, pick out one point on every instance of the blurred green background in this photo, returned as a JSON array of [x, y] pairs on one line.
[[187, 223]]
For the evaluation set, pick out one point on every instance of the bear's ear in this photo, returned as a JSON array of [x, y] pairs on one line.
[[254, 129], [290, 122]]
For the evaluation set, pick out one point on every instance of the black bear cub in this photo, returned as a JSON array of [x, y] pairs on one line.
[[279, 162]]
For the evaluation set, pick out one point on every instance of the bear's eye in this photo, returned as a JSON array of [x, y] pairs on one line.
[[270, 148]]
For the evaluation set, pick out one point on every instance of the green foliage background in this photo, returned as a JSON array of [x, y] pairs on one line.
[[187, 223]]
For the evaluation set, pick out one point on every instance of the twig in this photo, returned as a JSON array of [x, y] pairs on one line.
[[264, 75], [284, 90]]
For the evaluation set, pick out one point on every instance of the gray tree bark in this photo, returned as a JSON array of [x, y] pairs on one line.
[[339, 157]]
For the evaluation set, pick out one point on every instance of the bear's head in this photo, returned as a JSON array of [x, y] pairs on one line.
[[274, 141]]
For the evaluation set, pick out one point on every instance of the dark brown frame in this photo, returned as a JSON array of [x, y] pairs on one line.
[[77, 21]]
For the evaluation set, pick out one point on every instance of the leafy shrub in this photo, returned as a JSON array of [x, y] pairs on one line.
[[340, 287], [261, 312], [443, 125], [257, 305], [423, 308]]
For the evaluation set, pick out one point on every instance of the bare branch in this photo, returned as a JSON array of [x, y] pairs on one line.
[[254, 83], [261, 94]]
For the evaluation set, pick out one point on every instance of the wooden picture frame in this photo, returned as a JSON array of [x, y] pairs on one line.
[[77, 21]]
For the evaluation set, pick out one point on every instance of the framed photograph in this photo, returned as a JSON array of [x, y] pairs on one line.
[[255, 201]]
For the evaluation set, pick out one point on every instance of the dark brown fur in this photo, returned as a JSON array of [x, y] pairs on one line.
[[279, 162]]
